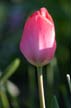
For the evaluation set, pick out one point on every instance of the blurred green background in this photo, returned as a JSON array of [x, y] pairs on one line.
[[13, 14]]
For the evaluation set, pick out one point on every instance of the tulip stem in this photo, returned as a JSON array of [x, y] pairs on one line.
[[41, 88]]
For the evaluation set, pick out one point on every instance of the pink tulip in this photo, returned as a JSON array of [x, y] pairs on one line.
[[38, 42]]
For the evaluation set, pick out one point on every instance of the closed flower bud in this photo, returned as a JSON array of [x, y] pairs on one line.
[[38, 42]]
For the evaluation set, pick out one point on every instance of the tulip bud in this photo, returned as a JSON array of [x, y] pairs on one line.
[[38, 42]]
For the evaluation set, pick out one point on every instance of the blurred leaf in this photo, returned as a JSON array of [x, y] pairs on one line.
[[15, 102], [65, 96], [12, 89], [52, 72], [10, 70], [4, 99], [52, 80], [54, 102], [69, 81]]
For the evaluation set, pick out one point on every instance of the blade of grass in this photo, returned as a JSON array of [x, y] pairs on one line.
[[10, 70], [69, 81], [54, 102], [4, 99], [65, 96]]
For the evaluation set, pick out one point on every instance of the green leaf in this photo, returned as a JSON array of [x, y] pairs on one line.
[[65, 96], [10, 70], [54, 102], [4, 99]]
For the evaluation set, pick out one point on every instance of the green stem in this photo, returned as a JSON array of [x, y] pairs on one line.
[[41, 88]]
